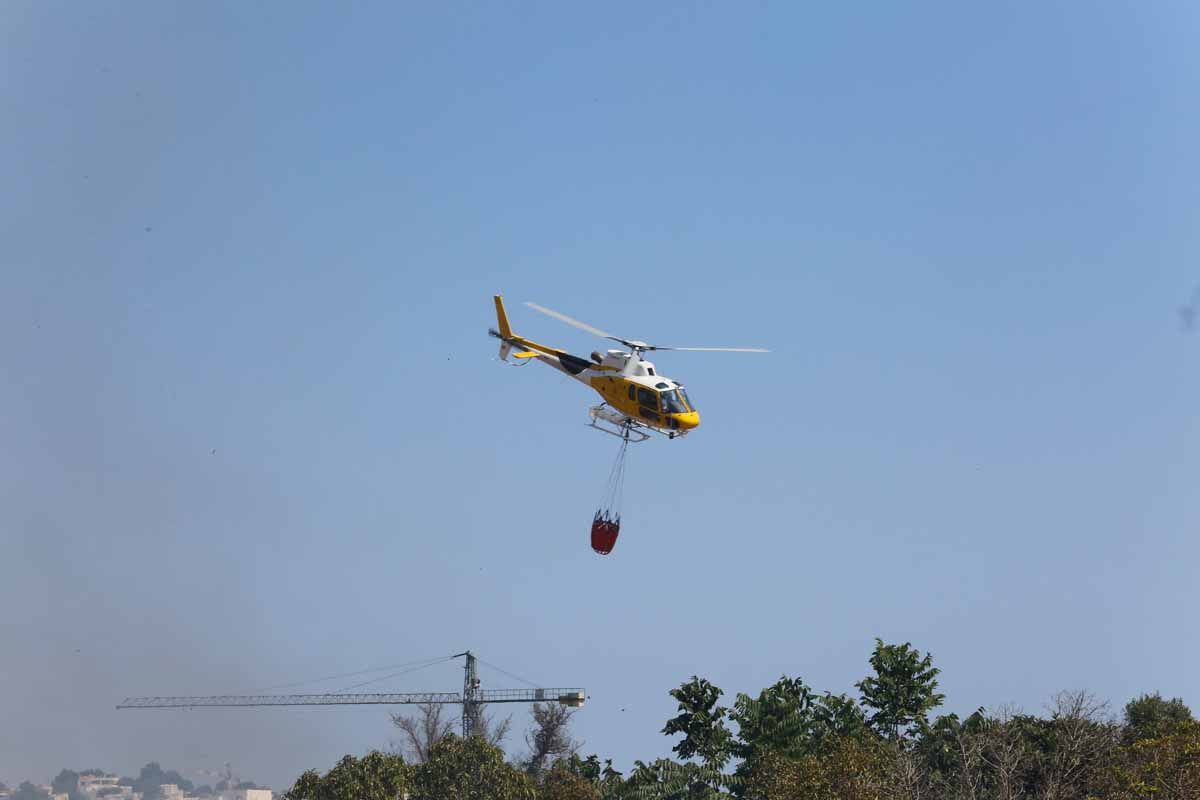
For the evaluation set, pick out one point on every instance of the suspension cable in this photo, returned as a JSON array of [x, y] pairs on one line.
[[509, 674], [431, 663], [426, 661]]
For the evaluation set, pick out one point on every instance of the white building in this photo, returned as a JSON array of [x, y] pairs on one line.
[[90, 785], [244, 794]]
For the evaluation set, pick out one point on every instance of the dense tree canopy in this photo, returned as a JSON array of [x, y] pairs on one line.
[[1150, 717], [470, 769], [790, 743], [375, 776]]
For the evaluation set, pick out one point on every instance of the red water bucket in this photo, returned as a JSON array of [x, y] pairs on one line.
[[604, 536]]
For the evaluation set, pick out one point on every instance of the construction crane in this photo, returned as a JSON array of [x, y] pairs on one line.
[[472, 699]]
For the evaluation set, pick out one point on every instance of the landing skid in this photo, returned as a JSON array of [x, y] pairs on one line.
[[614, 423]]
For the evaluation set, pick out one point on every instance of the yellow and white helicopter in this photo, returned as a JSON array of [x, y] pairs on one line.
[[637, 400]]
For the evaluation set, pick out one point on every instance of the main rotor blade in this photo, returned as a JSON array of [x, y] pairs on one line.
[[583, 326], [635, 346], [718, 349]]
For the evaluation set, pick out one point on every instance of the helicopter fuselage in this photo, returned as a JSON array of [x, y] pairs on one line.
[[627, 382], [633, 389]]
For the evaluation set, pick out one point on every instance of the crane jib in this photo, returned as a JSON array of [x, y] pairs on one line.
[[571, 696], [472, 699]]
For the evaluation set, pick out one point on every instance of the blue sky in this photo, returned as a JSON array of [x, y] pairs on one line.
[[254, 432]]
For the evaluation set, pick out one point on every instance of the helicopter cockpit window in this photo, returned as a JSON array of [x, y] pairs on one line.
[[672, 403], [647, 397], [687, 401]]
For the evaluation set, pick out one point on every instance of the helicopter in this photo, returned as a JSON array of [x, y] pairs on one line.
[[637, 400]]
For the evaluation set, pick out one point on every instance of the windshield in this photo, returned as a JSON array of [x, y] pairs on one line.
[[687, 401], [672, 403]]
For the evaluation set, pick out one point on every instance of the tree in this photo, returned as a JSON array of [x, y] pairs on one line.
[[1162, 767], [561, 782], [487, 728], [1081, 740], [469, 770], [1006, 752], [1062, 757], [153, 776], [778, 719], [665, 779], [952, 753], [550, 738], [835, 716], [66, 782], [27, 791], [608, 781], [375, 776], [850, 769], [423, 731], [1150, 717], [902, 691], [700, 720]]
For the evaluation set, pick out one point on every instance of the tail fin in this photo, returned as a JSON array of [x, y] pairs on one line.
[[505, 332], [502, 318]]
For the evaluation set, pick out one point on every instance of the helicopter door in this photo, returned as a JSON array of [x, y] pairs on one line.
[[648, 405]]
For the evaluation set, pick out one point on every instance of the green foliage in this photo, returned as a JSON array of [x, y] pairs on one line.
[[778, 719], [563, 782], [902, 691], [835, 716], [1150, 717], [469, 770], [1163, 767], [375, 776], [788, 743], [669, 780], [700, 720], [850, 769], [952, 751], [591, 769]]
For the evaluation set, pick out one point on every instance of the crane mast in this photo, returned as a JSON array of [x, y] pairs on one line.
[[473, 698], [471, 693]]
